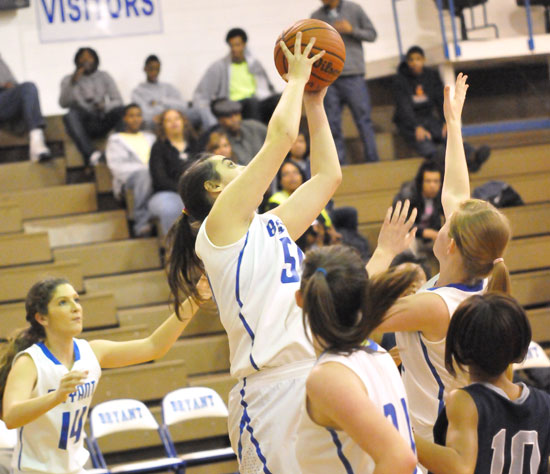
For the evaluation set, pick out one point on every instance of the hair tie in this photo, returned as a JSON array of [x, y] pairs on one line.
[[498, 260], [184, 211], [321, 270]]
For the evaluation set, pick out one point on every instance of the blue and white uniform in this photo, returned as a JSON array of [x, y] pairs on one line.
[[54, 442], [426, 379], [254, 282], [324, 450]]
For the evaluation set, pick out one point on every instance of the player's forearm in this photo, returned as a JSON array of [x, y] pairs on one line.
[[20, 413], [379, 262], [285, 120], [323, 155], [439, 459], [456, 184], [164, 337]]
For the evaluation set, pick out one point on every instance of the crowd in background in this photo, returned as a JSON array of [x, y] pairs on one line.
[[154, 139]]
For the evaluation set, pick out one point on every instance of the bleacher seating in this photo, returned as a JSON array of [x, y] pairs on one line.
[[48, 227]]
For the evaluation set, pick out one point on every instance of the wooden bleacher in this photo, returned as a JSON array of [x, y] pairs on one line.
[[50, 228]]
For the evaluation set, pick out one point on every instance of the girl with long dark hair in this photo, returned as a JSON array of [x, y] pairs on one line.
[[48, 376], [254, 267]]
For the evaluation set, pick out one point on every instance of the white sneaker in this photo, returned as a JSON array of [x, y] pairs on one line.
[[38, 149], [96, 157]]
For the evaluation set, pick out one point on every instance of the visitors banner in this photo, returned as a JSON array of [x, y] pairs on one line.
[[68, 20]]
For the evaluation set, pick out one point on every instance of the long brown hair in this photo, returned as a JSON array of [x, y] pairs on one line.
[[340, 303], [481, 234], [184, 266], [189, 133], [38, 298]]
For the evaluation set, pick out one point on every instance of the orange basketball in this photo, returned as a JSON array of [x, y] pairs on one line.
[[328, 68]]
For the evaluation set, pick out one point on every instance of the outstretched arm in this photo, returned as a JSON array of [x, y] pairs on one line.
[[456, 184], [459, 456], [307, 202], [395, 236], [230, 216], [120, 354]]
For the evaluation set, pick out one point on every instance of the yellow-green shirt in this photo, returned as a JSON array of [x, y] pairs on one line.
[[139, 144], [281, 196], [242, 84]]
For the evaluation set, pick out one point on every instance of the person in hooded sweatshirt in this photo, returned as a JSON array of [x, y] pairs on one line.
[[418, 93]]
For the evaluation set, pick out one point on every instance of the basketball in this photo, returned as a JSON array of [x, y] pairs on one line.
[[325, 70]]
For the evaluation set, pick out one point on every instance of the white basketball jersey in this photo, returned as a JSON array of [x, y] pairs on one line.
[[54, 442], [254, 282], [426, 380], [323, 450]]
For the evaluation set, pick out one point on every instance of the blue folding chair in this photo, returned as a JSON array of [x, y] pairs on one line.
[[187, 404], [124, 415]]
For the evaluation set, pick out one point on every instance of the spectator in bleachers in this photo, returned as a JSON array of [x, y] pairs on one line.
[[239, 76], [351, 21], [20, 102], [299, 153], [154, 97], [171, 154], [127, 156], [424, 193], [218, 143], [94, 103], [418, 93], [289, 178], [346, 222], [245, 136]]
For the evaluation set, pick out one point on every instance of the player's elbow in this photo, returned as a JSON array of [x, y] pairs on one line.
[[10, 420], [280, 130], [400, 462]]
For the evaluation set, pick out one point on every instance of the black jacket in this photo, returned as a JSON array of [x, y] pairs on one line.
[[409, 108], [166, 165]]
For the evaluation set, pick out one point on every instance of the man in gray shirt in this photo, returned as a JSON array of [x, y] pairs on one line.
[[94, 103], [349, 19], [154, 97], [20, 102]]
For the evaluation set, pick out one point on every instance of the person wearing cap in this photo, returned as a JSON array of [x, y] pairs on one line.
[[240, 77], [245, 135]]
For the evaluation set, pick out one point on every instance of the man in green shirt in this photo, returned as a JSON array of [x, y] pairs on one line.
[[239, 77]]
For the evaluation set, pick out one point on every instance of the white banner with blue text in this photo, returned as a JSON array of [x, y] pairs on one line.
[[68, 20]]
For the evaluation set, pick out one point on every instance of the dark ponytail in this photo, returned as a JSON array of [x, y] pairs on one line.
[[38, 298], [184, 266], [340, 304]]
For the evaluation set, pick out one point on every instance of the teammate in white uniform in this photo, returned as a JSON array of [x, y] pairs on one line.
[[355, 416], [48, 377], [253, 266], [469, 248]]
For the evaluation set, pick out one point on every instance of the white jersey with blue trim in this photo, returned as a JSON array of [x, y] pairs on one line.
[[254, 282], [426, 380], [54, 442], [321, 449]]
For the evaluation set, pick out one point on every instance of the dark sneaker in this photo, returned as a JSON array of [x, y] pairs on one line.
[[44, 157]]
